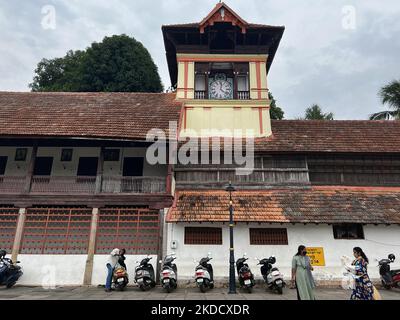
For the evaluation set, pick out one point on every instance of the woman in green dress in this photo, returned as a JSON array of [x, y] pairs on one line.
[[301, 275]]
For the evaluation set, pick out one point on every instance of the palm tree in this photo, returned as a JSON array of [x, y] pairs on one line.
[[315, 113], [390, 95]]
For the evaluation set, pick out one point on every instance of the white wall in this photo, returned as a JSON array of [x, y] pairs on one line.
[[15, 168], [309, 235], [49, 270], [69, 168], [100, 270]]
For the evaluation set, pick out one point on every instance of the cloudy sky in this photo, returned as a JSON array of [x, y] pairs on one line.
[[336, 53]]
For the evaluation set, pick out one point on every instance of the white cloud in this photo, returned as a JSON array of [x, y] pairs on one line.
[[318, 61]]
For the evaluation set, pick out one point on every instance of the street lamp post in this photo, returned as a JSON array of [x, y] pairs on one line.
[[232, 280]]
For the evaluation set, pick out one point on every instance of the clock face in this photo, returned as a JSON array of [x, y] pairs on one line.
[[220, 87]]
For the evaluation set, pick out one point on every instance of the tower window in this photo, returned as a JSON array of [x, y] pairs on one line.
[[222, 81]]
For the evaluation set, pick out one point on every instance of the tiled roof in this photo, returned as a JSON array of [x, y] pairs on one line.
[[307, 136], [105, 115], [132, 115], [197, 24], [315, 205], [332, 136]]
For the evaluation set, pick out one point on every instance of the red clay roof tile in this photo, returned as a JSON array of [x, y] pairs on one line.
[[315, 205]]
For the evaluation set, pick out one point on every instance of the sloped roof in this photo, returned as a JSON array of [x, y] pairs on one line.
[[131, 115], [313, 136], [94, 115], [315, 205], [332, 136]]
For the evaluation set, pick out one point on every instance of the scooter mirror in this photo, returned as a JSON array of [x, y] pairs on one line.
[[209, 254], [160, 261], [245, 254]]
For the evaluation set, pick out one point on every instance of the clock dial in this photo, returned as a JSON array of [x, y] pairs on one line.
[[220, 89]]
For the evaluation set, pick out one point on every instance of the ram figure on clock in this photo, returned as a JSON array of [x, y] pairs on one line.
[[220, 87]]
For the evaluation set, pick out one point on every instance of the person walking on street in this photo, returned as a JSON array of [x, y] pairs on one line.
[[363, 288], [302, 278], [111, 263]]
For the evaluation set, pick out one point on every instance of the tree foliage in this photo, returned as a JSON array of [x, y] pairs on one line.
[[276, 112], [315, 113], [117, 64], [390, 95]]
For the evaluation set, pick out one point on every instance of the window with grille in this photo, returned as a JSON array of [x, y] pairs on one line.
[[268, 236], [348, 231], [8, 226], [56, 231], [136, 230], [203, 235]]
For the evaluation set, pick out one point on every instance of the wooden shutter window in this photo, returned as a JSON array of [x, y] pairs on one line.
[[268, 236], [203, 235]]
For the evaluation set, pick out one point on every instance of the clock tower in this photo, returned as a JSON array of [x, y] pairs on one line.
[[219, 67]]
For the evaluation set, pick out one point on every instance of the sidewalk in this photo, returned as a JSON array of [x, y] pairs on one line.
[[133, 293]]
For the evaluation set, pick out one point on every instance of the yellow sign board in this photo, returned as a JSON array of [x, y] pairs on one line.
[[316, 255]]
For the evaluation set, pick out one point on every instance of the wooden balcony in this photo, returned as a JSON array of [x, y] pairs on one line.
[[83, 185], [238, 95]]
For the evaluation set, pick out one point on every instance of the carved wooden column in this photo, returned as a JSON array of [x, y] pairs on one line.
[[18, 234], [99, 177], [31, 167], [87, 279]]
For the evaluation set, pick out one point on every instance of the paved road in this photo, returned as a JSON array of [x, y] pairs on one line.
[[133, 293]]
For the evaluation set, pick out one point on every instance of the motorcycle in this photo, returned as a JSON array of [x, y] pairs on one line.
[[272, 276], [169, 272], [246, 278], [204, 274], [10, 272], [120, 278], [144, 274], [389, 278]]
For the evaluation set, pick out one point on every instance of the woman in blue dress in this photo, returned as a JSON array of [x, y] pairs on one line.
[[363, 288]]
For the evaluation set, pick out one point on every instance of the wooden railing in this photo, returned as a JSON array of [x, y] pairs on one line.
[[200, 94], [243, 95], [82, 184], [115, 184], [268, 176], [50, 184], [240, 95], [12, 184]]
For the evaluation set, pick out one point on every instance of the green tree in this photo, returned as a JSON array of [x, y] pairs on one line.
[[276, 112], [315, 113], [390, 95], [117, 64]]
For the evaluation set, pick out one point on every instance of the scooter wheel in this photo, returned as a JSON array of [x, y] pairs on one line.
[[10, 285], [249, 289], [386, 286], [143, 288], [279, 290], [168, 289], [203, 288]]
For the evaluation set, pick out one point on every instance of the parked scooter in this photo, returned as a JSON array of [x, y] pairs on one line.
[[169, 273], [144, 274], [10, 272], [246, 278], [272, 276], [390, 278], [120, 278], [204, 274]]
